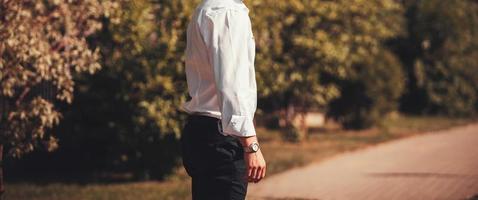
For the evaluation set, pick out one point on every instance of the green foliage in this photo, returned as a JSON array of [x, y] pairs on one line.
[[321, 54], [132, 103], [305, 47], [149, 52], [42, 45], [371, 94], [444, 69]]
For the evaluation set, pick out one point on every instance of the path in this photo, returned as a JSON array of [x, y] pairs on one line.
[[442, 165]]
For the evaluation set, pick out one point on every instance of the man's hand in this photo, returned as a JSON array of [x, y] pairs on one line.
[[256, 166], [255, 162]]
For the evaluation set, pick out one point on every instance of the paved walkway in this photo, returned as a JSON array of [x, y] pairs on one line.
[[431, 166]]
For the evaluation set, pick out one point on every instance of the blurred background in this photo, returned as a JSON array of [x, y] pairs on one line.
[[90, 89]]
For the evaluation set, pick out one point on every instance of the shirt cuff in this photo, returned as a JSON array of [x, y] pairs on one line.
[[241, 126]]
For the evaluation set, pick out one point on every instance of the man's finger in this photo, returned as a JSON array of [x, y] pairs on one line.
[[249, 173], [257, 176], [263, 173], [253, 173]]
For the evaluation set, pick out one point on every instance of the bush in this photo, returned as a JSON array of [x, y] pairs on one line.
[[304, 46], [126, 116], [371, 93], [443, 68]]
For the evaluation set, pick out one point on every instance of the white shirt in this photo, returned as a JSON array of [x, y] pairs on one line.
[[220, 66]]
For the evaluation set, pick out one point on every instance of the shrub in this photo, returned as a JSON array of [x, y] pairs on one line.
[[443, 70], [371, 93]]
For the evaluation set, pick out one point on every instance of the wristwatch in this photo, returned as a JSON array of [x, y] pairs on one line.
[[252, 148]]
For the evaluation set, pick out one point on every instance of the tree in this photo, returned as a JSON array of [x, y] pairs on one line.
[[305, 47], [443, 68], [127, 113], [371, 94], [42, 45], [146, 58]]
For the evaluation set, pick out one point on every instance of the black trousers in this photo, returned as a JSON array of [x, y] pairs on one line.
[[215, 162]]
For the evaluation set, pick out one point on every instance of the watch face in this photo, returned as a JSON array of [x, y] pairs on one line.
[[255, 147]]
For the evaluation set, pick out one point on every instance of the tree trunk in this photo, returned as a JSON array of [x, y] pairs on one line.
[[303, 126], [290, 114], [2, 188]]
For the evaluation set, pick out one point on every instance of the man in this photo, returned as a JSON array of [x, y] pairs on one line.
[[219, 145]]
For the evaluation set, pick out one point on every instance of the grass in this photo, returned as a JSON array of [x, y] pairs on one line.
[[280, 156], [168, 190]]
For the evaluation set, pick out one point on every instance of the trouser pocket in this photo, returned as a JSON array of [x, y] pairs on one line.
[[205, 150]]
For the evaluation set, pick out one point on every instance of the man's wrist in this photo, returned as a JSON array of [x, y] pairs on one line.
[[253, 148], [246, 141]]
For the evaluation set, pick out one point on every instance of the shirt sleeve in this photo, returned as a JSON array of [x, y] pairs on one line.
[[230, 54]]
